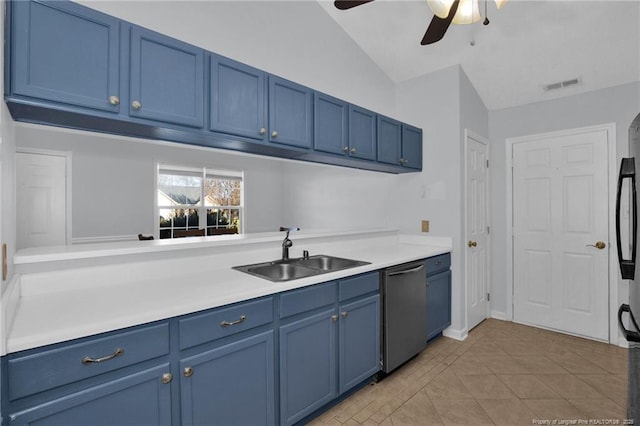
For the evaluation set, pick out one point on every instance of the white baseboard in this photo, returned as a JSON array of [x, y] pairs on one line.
[[499, 315], [455, 334]]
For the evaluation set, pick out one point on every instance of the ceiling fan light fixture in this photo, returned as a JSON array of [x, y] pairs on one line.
[[468, 10], [500, 3]]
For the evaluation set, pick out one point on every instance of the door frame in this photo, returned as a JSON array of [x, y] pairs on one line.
[[610, 128], [68, 155], [468, 134]]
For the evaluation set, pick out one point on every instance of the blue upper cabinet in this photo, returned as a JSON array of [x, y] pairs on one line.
[[330, 124], [290, 113], [65, 53], [389, 140], [362, 133], [411, 147], [399, 143], [237, 94], [71, 66], [166, 79]]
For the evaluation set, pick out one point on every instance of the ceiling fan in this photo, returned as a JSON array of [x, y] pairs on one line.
[[445, 12]]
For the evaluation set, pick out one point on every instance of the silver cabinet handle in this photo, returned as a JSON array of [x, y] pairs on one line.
[[243, 318], [344, 314], [166, 378], [274, 134], [114, 100], [353, 150], [334, 317], [188, 371], [345, 149], [263, 131], [136, 105], [88, 360]]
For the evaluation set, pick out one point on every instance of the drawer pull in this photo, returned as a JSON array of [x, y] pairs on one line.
[[88, 360], [243, 318], [166, 378], [188, 371]]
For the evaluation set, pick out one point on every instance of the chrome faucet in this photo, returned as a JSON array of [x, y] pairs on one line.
[[286, 243]]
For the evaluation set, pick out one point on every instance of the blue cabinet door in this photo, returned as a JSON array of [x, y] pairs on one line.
[[137, 399], [230, 385], [237, 94], [362, 133], [66, 53], [438, 303], [166, 79], [389, 140], [290, 117], [330, 124], [359, 341], [307, 365], [411, 147]]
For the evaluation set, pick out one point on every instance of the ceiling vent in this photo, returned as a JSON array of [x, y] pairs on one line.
[[563, 84]]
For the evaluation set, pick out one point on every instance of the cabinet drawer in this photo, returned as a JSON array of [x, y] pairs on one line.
[[198, 329], [438, 263], [48, 369], [359, 285], [306, 299]]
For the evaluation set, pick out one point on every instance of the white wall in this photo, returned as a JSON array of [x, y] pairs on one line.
[[617, 105], [113, 179], [432, 102]]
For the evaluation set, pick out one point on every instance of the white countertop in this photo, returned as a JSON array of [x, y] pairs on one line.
[[92, 297]]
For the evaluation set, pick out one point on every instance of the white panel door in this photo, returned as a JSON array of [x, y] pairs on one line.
[[560, 233], [476, 231], [41, 200]]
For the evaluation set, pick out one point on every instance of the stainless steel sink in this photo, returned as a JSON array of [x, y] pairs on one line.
[[329, 263], [280, 271], [291, 269]]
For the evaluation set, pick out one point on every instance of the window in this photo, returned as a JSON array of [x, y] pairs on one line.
[[192, 199]]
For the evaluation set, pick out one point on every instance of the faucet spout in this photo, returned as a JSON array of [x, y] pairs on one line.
[[286, 243]]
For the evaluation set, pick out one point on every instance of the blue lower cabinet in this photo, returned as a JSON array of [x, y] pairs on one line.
[[230, 385], [307, 365], [438, 303], [137, 399], [359, 341]]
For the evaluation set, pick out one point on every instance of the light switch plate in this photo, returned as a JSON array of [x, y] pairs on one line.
[[425, 226]]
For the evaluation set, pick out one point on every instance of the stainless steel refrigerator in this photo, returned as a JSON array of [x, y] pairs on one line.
[[629, 313]]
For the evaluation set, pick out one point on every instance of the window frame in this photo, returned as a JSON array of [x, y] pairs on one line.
[[203, 173]]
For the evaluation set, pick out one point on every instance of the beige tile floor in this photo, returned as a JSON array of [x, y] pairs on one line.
[[503, 374]]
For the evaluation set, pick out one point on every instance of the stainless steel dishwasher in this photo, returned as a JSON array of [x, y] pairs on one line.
[[404, 313]]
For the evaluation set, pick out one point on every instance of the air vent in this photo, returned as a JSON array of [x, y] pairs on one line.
[[563, 84]]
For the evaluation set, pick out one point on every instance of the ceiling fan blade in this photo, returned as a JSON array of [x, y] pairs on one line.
[[347, 4], [438, 26]]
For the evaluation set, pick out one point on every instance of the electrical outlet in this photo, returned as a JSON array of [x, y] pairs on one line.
[[425, 226]]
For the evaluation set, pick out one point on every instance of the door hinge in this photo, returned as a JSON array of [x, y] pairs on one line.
[[488, 297], [488, 229], [487, 164]]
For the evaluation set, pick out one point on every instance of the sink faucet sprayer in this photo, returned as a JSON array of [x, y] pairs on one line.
[[286, 243]]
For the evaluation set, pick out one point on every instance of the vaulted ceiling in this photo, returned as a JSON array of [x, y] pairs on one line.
[[527, 45]]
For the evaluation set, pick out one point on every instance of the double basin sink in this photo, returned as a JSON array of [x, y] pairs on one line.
[[292, 269]]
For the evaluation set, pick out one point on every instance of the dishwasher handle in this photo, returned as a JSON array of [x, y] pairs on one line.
[[406, 271]]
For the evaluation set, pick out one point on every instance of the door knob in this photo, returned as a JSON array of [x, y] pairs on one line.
[[599, 245], [136, 105], [472, 243]]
